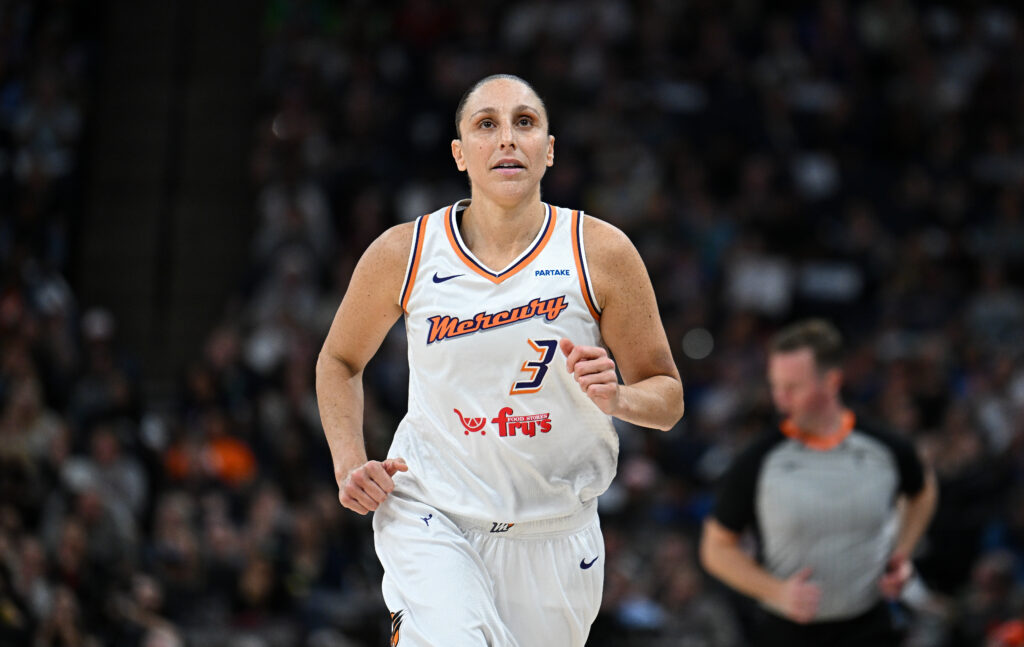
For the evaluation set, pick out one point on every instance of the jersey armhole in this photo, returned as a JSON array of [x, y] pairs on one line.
[[415, 252], [579, 253]]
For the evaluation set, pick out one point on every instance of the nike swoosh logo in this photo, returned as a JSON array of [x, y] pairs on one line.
[[442, 279], [584, 564]]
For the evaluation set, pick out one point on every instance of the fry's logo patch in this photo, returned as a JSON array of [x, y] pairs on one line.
[[508, 423], [445, 326]]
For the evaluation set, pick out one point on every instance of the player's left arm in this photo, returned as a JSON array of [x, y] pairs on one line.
[[651, 393]]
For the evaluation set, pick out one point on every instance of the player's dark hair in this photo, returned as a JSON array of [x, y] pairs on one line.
[[465, 97], [820, 336]]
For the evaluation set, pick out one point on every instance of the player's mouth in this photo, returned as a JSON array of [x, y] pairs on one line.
[[508, 167]]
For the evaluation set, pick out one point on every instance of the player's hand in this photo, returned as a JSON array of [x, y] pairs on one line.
[[897, 572], [594, 372], [366, 487], [799, 598]]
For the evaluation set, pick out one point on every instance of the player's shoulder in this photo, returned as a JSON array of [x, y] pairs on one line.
[[615, 264], [384, 261], [603, 238], [394, 243]]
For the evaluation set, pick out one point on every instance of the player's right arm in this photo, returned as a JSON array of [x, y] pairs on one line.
[[367, 312], [721, 554]]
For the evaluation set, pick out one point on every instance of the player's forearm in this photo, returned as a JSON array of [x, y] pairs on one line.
[[916, 516], [736, 568], [340, 399], [656, 402]]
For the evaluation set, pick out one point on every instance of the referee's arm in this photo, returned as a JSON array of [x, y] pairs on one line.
[[722, 556], [917, 513]]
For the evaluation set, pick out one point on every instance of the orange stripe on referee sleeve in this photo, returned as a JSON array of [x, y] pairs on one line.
[[579, 266], [420, 235]]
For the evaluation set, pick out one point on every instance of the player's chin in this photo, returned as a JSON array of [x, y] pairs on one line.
[[508, 192]]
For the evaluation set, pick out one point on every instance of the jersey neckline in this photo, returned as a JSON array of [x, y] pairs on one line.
[[816, 442], [531, 252]]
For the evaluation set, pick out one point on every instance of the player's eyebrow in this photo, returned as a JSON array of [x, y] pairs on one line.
[[520, 108]]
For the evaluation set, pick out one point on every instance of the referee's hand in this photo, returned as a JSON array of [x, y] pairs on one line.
[[800, 597], [366, 487], [897, 572]]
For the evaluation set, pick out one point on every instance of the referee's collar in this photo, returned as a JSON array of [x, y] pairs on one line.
[[820, 443]]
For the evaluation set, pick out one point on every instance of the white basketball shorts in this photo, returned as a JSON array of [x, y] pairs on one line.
[[455, 582]]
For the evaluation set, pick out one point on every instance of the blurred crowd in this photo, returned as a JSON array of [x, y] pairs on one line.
[[862, 161]]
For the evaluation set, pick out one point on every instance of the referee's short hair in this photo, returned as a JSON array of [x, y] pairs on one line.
[[819, 335]]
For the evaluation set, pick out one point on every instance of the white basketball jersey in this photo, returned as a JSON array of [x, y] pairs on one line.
[[497, 429]]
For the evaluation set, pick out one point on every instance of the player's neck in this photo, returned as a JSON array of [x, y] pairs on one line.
[[500, 233]]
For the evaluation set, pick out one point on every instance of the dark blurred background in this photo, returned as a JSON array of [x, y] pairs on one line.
[[185, 187]]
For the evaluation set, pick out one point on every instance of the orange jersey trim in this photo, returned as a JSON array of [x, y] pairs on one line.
[[577, 254], [414, 266], [497, 277], [820, 443]]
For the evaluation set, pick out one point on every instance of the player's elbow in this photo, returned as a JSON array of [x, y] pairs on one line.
[[330, 366], [323, 362], [674, 409]]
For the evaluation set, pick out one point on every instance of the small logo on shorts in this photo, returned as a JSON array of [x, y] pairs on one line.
[[584, 564], [427, 518], [396, 625], [498, 526]]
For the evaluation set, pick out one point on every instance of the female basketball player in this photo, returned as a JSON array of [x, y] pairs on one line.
[[486, 517]]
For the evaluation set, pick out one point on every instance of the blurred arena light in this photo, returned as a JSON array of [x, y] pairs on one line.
[[698, 343]]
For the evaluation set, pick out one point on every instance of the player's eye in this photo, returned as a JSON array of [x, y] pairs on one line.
[[486, 123], [525, 121]]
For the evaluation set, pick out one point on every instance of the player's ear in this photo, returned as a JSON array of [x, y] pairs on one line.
[[550, 161], [460, 161]]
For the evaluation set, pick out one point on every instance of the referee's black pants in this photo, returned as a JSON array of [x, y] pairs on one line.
[[873, 628]]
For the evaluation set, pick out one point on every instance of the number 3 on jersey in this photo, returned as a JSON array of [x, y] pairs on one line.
[[536, 369]]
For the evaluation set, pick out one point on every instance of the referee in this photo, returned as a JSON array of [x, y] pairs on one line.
[[837, 507]]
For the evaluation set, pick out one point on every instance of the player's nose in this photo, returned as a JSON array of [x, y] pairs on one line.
[[507, 136]]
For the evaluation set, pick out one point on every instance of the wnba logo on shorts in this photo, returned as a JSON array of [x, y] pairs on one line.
[[508, 424]]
